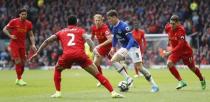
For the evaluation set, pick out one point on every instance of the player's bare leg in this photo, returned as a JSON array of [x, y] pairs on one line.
[[121, 69], [176, 74], [137, 72], [147, 76], [19, 67], [57, 81], [97, 62], [104, 81]]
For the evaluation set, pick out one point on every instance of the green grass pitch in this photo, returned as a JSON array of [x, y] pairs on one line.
[[79, 86]]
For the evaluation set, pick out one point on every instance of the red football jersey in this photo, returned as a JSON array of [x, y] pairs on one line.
[[100, 33], [19, 29], [71, 39], [139, 37], [175, 36]]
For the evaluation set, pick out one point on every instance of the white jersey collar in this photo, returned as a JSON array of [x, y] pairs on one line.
[[117, 23]]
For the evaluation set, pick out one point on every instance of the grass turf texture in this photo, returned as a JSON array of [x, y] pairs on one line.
[[79, 86]]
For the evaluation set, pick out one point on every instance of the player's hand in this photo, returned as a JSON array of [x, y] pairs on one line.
[[13, 37], [166, 53], [95, 50], [33, 47], [161, 52], [112, 51]]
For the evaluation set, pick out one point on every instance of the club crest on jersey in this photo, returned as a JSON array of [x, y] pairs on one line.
[[119, 31]]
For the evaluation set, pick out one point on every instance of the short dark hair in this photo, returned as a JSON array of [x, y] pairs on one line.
[[174, 18], [22, 10], [112, 13], [72, 20]]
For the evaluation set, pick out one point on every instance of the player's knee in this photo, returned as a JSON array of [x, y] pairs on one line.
[[113, 60], [97, 62], [92, 69], [193, 68], [170, 64], [138, 65], [17, 61], [117, 58], [59, 68]]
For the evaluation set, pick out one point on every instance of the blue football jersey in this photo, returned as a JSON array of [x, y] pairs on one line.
[[123, 36]]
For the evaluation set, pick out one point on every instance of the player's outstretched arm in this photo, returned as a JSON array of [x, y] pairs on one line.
[[112, 51], [43, 45], [89, 41], [49, 40], [179, 47], [108, 41], [32, 39]]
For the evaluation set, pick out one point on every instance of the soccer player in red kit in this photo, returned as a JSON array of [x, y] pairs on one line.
[[101, 32], [16, 30], [72, 40], [138, 35], [181, 50]]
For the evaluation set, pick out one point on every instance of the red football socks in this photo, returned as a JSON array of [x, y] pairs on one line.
[[198, 73], [57, 79], [175, 73], [104, 82], [19, 70], [100, 69]]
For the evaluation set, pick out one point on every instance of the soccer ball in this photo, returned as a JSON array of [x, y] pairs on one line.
[[123, 86]]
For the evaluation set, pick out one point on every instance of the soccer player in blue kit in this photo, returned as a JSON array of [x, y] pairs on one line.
[[129, 47]]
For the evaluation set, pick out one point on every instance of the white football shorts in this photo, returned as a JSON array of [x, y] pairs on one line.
[[135, 54]]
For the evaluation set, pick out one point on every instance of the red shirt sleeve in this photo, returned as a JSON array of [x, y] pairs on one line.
[[167, 27], [82, 31], [11, 24], [30, 26]]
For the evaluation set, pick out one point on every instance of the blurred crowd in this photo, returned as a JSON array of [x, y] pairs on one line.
[[49, 16]]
